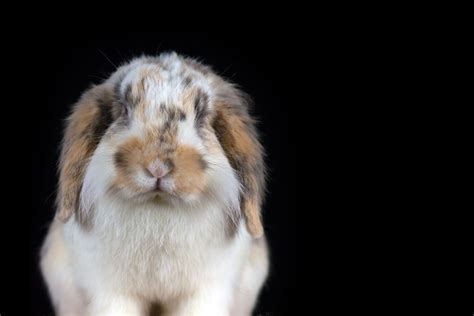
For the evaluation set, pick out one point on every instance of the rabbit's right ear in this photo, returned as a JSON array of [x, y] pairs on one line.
[[86, 125]]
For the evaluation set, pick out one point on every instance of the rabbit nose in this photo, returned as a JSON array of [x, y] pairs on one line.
[[157, 169]]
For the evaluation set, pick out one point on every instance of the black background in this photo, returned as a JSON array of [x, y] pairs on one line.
[[259, 64]]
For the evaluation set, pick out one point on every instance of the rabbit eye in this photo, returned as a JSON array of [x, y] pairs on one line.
[[201, 109], [125, 114], [128, 113]]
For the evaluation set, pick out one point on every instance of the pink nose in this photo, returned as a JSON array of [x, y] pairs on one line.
[[157, 169]]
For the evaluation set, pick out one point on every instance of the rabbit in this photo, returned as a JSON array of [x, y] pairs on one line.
[[161, 183]]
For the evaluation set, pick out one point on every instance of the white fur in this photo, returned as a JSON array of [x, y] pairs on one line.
[[138, 254], [138, 250]]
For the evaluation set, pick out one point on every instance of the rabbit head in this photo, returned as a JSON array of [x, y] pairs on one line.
[[162, 129]]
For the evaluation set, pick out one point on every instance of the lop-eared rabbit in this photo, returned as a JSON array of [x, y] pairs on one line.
[[161, 181]]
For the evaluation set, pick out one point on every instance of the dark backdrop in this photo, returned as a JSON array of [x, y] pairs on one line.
[[257, 63]]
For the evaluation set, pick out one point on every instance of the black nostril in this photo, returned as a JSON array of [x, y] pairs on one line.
[[169, 164]]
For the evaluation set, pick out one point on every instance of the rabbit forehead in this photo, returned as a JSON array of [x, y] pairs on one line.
[[167, 98], [165, 82]]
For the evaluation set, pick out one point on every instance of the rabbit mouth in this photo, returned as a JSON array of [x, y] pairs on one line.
[[158, 186], [160, 193]]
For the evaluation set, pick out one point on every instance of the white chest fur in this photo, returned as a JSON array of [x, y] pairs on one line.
[[156, 251]]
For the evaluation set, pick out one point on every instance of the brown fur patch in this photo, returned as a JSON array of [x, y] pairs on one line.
[[189, 170], [91, 117], [128, 158], [237, 135], [234, 135]]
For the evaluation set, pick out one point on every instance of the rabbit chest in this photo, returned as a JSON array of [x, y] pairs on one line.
[[162, 251]]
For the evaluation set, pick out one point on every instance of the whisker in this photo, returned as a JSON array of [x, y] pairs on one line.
[[103, 54]]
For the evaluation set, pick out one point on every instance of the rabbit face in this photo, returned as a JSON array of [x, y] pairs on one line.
[[162, 145]]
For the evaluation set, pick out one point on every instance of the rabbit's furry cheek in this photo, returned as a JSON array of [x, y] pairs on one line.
[[190, 171]]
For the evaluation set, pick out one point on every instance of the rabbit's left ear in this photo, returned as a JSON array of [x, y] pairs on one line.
[[86, 125], [236, 132]]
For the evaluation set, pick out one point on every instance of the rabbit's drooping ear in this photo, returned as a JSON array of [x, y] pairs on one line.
[[89, 120], [238, 137]]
